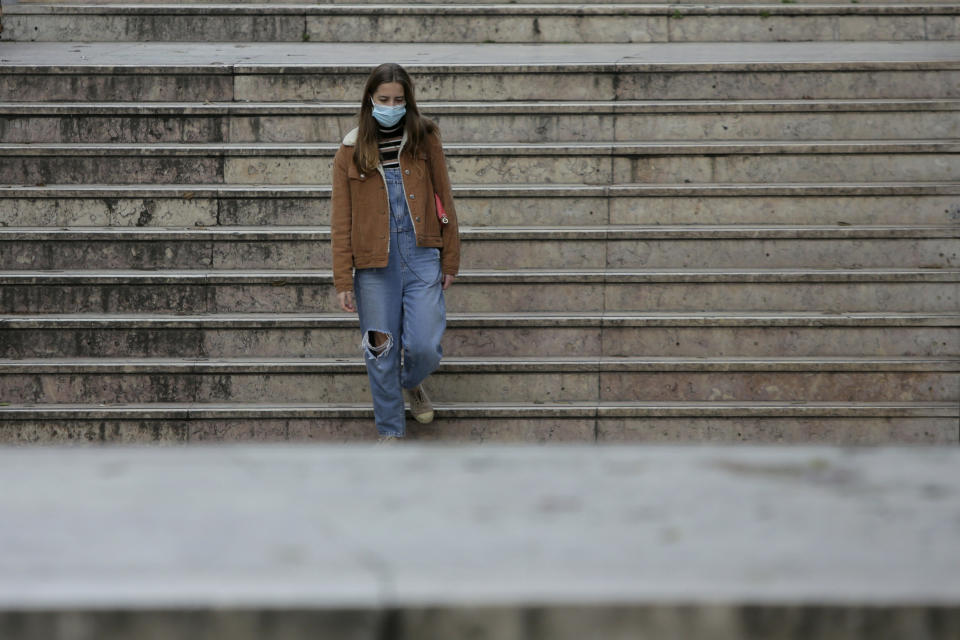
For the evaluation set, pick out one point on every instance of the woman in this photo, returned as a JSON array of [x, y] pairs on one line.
[[393, 257]]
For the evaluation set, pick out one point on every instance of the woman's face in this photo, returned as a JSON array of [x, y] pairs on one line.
[[389, 94]]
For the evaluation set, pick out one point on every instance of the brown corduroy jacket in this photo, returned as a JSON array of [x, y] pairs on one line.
[[360, 216]]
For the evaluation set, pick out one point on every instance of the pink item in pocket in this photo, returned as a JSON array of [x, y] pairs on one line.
[[441, 212]]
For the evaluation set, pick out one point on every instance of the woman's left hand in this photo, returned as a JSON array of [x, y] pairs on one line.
[[447, 281]]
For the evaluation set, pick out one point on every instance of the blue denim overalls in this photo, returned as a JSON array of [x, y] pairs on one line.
[[405, 301]]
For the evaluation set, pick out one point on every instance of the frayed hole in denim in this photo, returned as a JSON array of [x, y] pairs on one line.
[[376, 352]]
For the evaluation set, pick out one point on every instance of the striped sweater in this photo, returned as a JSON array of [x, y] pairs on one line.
[[389, 141]]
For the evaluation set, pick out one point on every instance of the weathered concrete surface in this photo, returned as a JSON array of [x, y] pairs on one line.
[[593, 247], [404, 23], [486, 335], [838, 423], [748, 162], [416, 3], [502, 543], [485, 122], [506, 379], [685, 290], [923, 203]]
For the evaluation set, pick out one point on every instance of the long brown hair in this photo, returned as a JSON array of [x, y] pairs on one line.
[[366, 153]]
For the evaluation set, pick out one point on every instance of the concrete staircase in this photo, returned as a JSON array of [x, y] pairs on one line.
[[664, 238]]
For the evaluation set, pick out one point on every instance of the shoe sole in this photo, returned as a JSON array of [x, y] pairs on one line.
[[424, 418]]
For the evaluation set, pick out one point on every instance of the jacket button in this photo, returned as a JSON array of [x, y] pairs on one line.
[[412, 197], [363, 175], [418, 219], [407, 171]]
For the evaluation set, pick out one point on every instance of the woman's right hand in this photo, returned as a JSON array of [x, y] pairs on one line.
[[347, 303]]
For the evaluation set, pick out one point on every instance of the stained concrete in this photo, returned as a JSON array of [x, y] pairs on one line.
[[835, 291], [485, 248], [840, 423], [487, 335], [550, 163], [485, 23], [479, 122], [928, 203]]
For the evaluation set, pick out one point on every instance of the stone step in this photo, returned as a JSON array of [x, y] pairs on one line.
[[917, 203], [628, 120], [57, 72], [677, 290], [503, 23], [617, 247], [551, 163], [699, 543], [545, 379], [835, 423], [692, 4], [487, 335]]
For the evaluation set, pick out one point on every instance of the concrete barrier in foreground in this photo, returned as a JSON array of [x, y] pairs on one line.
[[281, 542]]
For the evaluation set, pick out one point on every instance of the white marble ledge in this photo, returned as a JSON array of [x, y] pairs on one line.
[[355, 526]]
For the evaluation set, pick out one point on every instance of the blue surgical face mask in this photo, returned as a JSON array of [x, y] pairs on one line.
[[388, 116]]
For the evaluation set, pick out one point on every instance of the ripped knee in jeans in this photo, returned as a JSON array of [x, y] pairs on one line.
[[376, 343]]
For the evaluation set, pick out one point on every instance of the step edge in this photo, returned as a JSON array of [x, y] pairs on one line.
[[505, 410], [528, 319], [518, 149], [479, 276], [569, 107], [540, 190], [493, 233], [493, 9], [475, 365]]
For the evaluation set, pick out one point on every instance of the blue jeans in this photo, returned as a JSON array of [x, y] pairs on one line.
[[403, 300]]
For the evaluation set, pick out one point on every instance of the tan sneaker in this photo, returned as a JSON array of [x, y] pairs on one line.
[[385, 441], [420, 406]]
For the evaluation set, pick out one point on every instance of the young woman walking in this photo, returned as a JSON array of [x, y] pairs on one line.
[[396, 246]]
